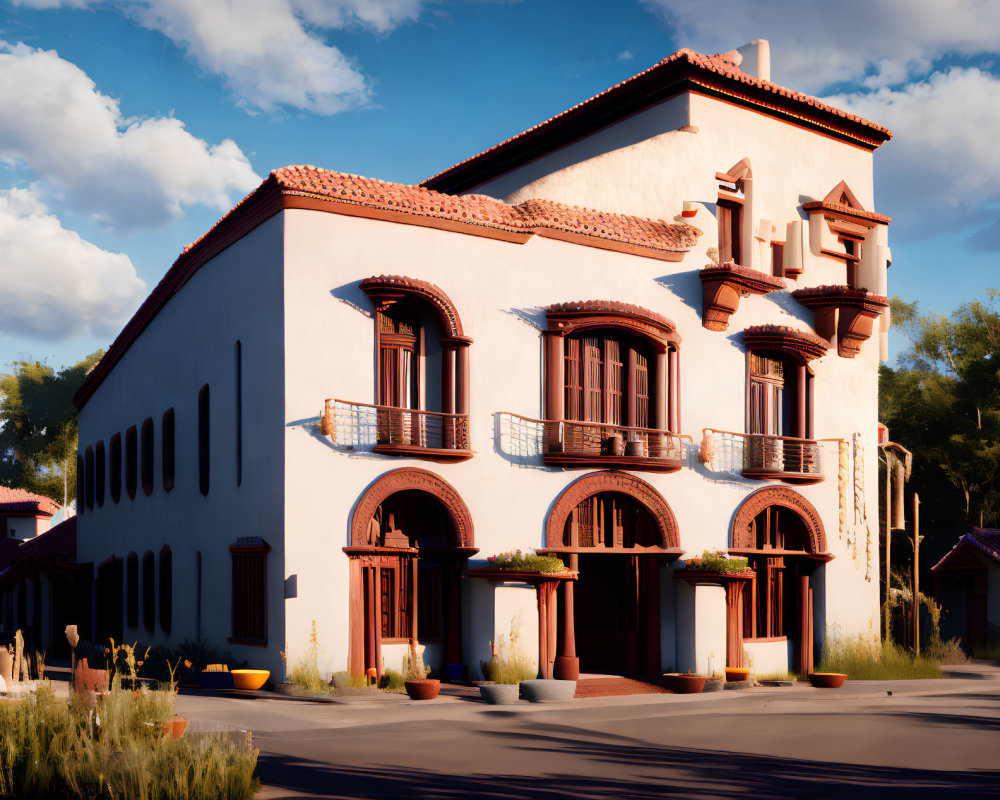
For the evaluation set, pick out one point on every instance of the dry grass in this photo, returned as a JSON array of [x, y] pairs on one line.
[[863, 660], [51, 749]]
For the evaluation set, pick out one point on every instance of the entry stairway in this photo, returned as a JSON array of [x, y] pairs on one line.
[[593, 685]]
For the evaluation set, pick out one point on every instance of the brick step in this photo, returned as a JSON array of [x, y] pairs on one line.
[[617, 686]]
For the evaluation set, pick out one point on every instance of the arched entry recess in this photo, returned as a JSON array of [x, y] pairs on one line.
[[782, 536], [411, 534], [614, 529]]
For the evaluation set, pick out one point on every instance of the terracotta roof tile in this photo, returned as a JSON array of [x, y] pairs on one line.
[[986, 540], [613, 307], [59, 541], [715, 64], [23, 500]]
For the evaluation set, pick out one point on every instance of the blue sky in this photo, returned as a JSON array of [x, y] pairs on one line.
[[130, 126]]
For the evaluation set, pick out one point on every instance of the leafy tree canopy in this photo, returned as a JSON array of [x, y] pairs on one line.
[[38, 426], [942, 402]]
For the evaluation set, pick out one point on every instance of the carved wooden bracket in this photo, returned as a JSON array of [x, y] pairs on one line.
[[724, 284], [844, 314]]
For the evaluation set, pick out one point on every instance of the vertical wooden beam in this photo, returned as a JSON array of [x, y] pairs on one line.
[[734, 623], [663, 407], [805, 630], [554, 387], [462, 378], [916, 573], [567, 665], [356, 619], [801, 404], [543, 631]]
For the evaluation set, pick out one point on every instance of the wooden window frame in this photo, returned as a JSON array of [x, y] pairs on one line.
[[249, 592], [729, 217]]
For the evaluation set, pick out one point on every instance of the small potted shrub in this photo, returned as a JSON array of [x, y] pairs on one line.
[[418, 685], [505, 671]]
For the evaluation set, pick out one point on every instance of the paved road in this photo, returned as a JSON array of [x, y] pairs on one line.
[[929, 739]]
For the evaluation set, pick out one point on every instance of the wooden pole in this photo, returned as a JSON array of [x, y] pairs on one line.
[[916, 573]]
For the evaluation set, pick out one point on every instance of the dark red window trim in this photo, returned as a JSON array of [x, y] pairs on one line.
[[250, 591]]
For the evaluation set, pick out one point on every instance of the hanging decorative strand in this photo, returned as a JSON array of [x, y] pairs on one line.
[[860, 512], [843, 454]]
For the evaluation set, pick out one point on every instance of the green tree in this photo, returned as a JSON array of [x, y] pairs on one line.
[[38, 426]]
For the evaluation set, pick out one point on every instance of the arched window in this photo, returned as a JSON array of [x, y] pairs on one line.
[[115, 467], [613, 366], [100, 467], [131, 461], [148, 590], [132, 590], [167, 432], [147, 456], [772, 607], [166, 588]]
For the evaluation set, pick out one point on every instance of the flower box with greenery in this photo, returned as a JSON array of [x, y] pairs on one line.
[[712, 561], [525, 563], [506, 669], [418, 685]]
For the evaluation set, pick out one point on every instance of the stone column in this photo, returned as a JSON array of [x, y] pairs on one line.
[[567, 666]]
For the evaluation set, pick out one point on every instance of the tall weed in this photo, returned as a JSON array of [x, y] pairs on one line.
[[864, 660]]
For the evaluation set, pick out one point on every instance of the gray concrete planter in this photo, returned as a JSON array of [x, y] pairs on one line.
[[499, 694], [543, 690]]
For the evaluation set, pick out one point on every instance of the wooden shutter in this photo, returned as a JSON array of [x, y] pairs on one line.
[[640, 400], [724, 219], [614, 371], [593, 397], [573, 381]]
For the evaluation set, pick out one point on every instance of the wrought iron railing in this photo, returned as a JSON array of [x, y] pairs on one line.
[[364, 425], [760, 455], [597, 440]]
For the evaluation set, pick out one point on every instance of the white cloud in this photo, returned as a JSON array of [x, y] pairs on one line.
[[269, 52], [125, 173], [625, 55], [814, 44], [57, 285], [944, 153]]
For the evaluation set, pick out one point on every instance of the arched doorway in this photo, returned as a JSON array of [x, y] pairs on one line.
[[782, 536], [411, 535], [615, 530]]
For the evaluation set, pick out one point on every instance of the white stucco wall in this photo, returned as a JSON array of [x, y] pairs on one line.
[[768, 658], [192, 341]]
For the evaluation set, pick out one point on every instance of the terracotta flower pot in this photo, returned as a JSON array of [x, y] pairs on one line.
[[427, 689], [686, 684], [737, 673], [175, 728], [827, 680]]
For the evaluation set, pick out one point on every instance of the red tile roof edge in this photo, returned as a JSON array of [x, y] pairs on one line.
[[12, 499], [59, 540], [335, 192], [986, 540], [714, 65]]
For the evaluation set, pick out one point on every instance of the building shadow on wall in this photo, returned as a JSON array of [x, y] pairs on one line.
[[686, 286], [620, 768]]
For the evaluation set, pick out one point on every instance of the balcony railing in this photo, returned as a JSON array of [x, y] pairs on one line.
[[573, 443], [763, 457], [399, 431]]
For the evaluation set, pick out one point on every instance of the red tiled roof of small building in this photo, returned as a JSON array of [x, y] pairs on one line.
[[715, 64], [23, 500], [59, 541], [986, 540]]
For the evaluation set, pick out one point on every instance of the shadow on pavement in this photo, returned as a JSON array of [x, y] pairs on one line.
[[621, 769]]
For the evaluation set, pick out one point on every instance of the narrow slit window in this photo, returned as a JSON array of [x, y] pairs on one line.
[[149, 590], [88, 483], [204, 438], [167, 449], [166, 588], [147, 456], [131, 458], [239, 412], [115, 467], [132, 590]]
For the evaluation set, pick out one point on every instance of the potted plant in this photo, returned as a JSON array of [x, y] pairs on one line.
[[827, 680], [715, 684], [737, 673], [418, 685], [506, 669]]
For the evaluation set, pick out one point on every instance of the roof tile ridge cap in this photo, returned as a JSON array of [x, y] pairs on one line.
[[616, 214]]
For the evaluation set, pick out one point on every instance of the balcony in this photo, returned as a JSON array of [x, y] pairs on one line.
[[763, 457], [570, 443], [397, 431]]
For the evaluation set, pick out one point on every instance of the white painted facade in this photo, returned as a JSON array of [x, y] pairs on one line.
[[288, 291]]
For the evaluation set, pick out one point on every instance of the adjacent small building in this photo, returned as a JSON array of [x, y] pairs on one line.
[[644, 328], [967, 587]]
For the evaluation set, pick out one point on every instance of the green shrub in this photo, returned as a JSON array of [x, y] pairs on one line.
[[714, 561], [516, 561], [863, 660], [52, 749]]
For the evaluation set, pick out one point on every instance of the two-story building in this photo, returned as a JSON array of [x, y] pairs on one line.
[[646, 327]]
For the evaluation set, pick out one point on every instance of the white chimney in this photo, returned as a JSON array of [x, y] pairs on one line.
[[756, 59]]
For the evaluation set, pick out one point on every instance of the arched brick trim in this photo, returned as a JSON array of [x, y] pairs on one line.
[[407, 479], [739, 537], [382, 286], [623, 483], [802, 345], [566, 318]]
